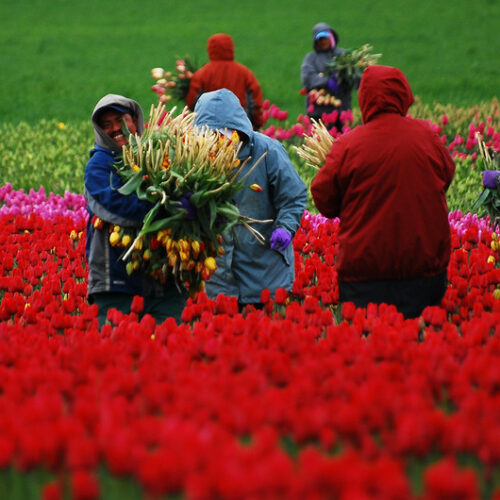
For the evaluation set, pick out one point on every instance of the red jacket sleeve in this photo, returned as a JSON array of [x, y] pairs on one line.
[[325, 186]]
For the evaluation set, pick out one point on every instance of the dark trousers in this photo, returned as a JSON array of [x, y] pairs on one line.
[[410, 296], [160, 308]]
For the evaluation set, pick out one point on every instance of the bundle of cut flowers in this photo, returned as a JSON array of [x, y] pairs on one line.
[[489, 199], [349, 65], [316, 145], [173, 84], [190, 176]]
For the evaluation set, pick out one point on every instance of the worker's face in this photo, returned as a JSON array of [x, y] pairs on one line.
[[323, 43], [112, 123]]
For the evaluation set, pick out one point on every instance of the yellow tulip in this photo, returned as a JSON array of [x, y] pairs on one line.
[[210, 264], [195, 247], [126, 240], [114, 238], [129, 267], [138, 245]]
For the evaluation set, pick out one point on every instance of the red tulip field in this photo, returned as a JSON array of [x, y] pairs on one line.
[[300, 400]]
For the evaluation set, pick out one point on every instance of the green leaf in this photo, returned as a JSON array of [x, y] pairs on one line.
[[160, 224], [151, 214], [482, 199], [131, 185], [212, 208]]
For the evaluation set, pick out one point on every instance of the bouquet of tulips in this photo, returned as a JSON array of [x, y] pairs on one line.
[[190, 176], [316, 145], [350, 65], [173, 84], [489, 199]]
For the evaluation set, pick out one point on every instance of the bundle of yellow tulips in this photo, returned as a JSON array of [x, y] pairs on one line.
[[190, 176], [316, 145]]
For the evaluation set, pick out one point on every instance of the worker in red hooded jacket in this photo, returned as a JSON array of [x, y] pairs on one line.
[[223, 72], [387, 180]]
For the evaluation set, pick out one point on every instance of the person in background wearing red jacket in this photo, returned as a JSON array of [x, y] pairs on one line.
[[387, 180], [224, 72]]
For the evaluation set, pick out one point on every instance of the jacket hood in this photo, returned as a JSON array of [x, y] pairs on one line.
[[324, 27], [101, 138], [384, 89], [220, 109], [220, 47]]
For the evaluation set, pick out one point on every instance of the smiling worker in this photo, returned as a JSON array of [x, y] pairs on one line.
[[109, 284]]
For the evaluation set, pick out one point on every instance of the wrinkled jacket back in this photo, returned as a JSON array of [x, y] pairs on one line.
[[387, 181], [247, 266]]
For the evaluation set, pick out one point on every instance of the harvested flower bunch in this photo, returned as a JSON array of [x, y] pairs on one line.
[[173, 84], [350, 65], [190, 177], [316, 145], [489, 199]]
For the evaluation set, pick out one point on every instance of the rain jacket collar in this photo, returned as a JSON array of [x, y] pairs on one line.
[[220, 47], [101, 138], [384, 89], [220, 109]]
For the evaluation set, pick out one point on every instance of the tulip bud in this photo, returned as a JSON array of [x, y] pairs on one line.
[[195, 247], [114, 238], [129, 267], [256, 187], [157, 73], [126, 240], [98, 223], [210, 264]]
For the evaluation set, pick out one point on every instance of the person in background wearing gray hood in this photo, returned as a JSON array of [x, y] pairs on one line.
[[109, 285], [247, 266], [313, 74]]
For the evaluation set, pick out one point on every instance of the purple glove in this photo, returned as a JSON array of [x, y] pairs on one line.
[[188, 206], [490, 178], [332, 84], [280, 239]]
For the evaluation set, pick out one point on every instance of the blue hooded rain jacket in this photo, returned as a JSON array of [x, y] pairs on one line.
[[248, 267]]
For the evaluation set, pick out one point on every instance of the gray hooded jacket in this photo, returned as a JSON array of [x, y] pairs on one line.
[[247, 267], [313, 75], [101, 138]]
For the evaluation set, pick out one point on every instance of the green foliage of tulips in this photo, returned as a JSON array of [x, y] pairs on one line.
[[53, 154], [49, 154]]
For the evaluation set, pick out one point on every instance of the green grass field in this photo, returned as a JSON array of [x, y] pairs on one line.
[[60, 57]]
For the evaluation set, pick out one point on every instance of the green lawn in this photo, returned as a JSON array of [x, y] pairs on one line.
[[59, 57]]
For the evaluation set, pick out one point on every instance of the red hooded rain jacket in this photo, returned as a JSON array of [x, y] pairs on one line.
[[224, 72], [386, 180]]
